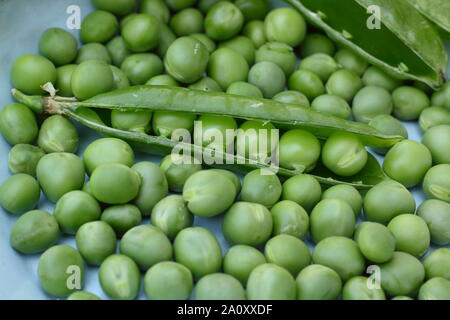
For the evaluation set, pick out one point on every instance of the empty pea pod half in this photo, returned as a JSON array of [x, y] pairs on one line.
[[437, 11], [368, 27]]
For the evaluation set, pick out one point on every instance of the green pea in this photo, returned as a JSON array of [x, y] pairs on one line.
[[63, 80], [433, 116], [332, 104], [213, 131], [409, 102], [240, 260], [402, 275], [436, 184], [115, 183], [205, 5], [126, 19], [436, 214], [207, 42], [316, 43], [299, 150], [227, 66], [351, 61], [162, 80], [34, 232], [255, 31], [321, 64], [435, 289], [82, 295], [292, 97], [290, 218], [261, 186], [376, 242], [141, 32], [378, 78], [250, 140], [119, 277], [122, 218], [165, 123], [223, 21], [407, 162], [197, 249], [139, 68], [96, 241], [241, 45], [91, 115], [346, 193], [120, 78], [344, 83], [107, 150], [206, 84], [23, 158], [285, 25], [268, 77], [178, 168], [91, 78], [98, 26], [58, 45], [271, 282], [29, 72], [117, 50], [156, 8], [247, 223], [208, 193], [241, 88], [168, 280], [279, 53], [59, 173], [18, 124], [253, 9], [302, 189], [186, 22], [340, 254], [441, 98], [93, 51], [177, 5], [134, 121], [231, 176], [219, 286], [437, 140], [166, 38], [437, 264], [118, 7], [317, 282], [357, 288], [307, 82], [58, 134], [186, 59], [370, 102], [389, 126]]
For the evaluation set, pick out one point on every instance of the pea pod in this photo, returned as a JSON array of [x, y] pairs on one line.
[[419, 51], [437, 11], [163, 98]]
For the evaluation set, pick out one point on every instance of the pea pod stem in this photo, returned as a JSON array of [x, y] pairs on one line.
[[163, 98]]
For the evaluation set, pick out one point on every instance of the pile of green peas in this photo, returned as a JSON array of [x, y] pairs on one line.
[[243, 48]]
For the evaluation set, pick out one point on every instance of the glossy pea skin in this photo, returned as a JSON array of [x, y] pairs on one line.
[[374, 76], [441, 98], [120, 78], [178, 169], [107, 150], [230, 176], [122, 218], [162, 80], [168, 280], [370, 102], [23, 158], [83, 295], [156, 8], [208, 193], [206, 84], [321, 64], [299, 150], [261, 186], [212, 130], [166, 123], [242, 45], [141, 33], [411, 234], [29, 72], [307, 82], [271, 282], [332, 104], [255, 31], [389, 125], [435, 289], [407, 162], [356, 288], [207, 42], [436, 214], [93, 51], [402, 275], [409, 102], [74, 209], [247, 223], [351, 61], [63, 80], [96, 241], [437, 264], [34, 232], [346, 193], [387, 200], [433, 116], [59, 173], [58, 45], [436, 183], [115, 183], [98, 26], [118, 7], [140, 67], [18, 124], [279, 53], [250, 143], [316, 43], [219, 286], [376, 241], [58, 134], [253, 9], [340, 254], [92, 115], [292, 97], [167, 37], [268, 77], [302, 189], [186, 22], [171, 215], [285, 25], [227, 66], [56, 266], [91, 78], [186, 59], [288, 252], [117, 50], [289, 218], [332, 217], [119, 277], [344, 154], [317, 282], [245, 89], [240, 260], [198, 250], [437, 140], [223, 21], [344, 83]]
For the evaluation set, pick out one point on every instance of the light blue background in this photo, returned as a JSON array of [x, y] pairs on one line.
[[21, 25]]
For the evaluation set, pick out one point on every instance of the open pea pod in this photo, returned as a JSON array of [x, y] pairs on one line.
[[437, 11], [406, 45]]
